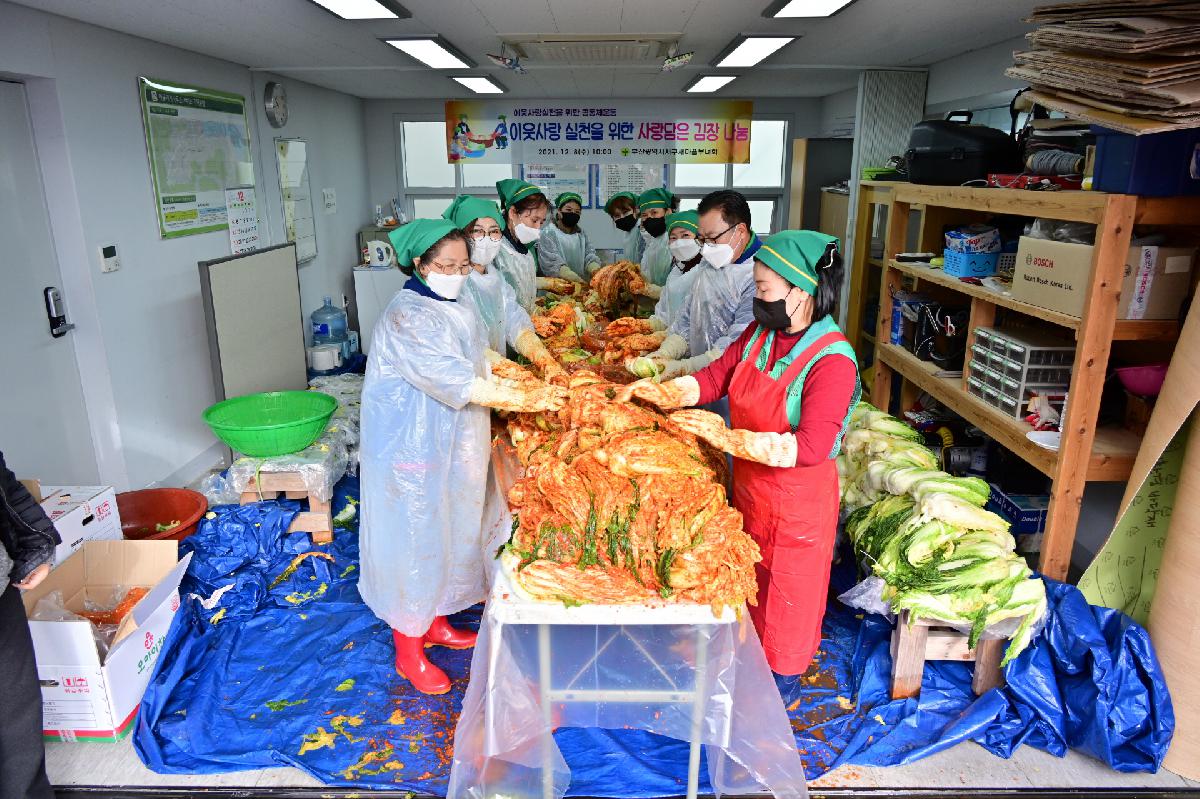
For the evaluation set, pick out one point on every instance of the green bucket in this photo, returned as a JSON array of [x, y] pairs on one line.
[[273, 423]]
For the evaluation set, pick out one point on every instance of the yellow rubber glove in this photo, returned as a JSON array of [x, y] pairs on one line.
[[650, 290], [504, 396], [556, 285], [771, 449], [680, 393], [529, 345], [566, 273]]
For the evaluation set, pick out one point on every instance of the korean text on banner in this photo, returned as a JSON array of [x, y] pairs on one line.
[[630, 131]]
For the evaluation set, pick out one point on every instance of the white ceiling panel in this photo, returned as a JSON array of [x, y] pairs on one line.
[[300, 39]]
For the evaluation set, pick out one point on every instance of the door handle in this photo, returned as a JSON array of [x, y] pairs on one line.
[[56, 312]]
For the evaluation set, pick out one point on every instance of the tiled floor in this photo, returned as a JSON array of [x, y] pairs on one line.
[[965, 766]]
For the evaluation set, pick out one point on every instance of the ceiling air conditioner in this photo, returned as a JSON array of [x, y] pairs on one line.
[[592, 50]]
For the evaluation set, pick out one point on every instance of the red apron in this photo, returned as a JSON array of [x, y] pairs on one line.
[[791, 513]]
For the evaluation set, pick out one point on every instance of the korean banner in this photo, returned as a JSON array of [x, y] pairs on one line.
[[598, 132]]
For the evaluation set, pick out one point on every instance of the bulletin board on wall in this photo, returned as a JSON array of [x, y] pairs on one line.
[[612, 179], [554, 179]]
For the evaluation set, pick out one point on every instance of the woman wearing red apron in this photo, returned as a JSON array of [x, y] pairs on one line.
[[792, 380]]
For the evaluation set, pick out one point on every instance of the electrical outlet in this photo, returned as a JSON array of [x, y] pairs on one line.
[[330, 198], [109, 262]]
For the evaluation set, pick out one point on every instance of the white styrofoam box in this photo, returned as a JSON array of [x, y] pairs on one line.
[[81, 513]]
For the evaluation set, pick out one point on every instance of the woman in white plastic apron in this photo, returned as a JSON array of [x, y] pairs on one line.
[[424, 451]]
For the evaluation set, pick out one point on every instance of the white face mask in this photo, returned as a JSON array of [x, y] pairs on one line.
[[719, 255], [483, 250], [526, 234], [447, 286], [684, 249]]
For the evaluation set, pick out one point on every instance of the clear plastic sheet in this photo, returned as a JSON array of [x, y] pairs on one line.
[[690, 679], [346, 389], [675, 295], [868, 596], [320, 466], [218, 489], [721, 306], [425, 453], [52, 607]]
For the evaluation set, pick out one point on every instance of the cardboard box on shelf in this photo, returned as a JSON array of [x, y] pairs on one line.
[[86, 697], [81, 513], [1025, 512], [1055, 275]]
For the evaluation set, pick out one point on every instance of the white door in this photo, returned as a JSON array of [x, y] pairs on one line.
[[44, 429]]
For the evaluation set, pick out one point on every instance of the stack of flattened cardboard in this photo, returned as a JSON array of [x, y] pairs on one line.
[[1131, 65]]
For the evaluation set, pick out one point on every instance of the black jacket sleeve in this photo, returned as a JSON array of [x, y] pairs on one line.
[[29, 535]]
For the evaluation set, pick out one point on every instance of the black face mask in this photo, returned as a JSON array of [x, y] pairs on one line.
[[655, 225], [626, 223], [773, 315], [570, 220]]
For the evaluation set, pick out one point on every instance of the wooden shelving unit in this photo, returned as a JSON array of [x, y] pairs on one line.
[[1086, 452], [872, 196]]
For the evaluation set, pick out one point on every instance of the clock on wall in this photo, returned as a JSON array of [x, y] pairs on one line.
[[275, 104]]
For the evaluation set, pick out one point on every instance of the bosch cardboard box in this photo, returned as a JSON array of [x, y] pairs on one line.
[[86, 697], [81, 513], [1055, 275]]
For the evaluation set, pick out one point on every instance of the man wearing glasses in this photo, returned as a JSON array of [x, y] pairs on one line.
[[721, 304]]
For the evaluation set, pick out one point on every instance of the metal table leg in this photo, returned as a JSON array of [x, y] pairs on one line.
[[547, 713], [698, 695]]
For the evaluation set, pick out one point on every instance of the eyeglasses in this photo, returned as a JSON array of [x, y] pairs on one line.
[[450, 269], [713, 239], [494, 235]]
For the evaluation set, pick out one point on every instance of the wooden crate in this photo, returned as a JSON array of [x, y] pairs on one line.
[[915, 642], [317, 520]]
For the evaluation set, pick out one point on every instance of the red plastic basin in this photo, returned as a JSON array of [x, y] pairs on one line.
[[142, 510]]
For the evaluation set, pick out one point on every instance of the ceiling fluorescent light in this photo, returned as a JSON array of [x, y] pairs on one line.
[[805, 8], [480, 85], [710, 83], [751, 50], [365, 9], [432, 52]]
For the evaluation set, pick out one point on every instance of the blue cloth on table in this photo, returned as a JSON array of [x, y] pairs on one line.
[[284, 663]]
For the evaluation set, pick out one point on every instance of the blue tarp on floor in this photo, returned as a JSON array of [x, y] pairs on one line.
[[287, 667]]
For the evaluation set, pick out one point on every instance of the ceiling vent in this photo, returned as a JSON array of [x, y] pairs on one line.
[[592, 50]]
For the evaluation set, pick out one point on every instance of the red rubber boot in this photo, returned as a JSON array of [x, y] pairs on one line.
[[440, 633], [412, 665]]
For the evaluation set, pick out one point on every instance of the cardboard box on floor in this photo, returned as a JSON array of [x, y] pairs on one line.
[[84, 697], [79, 513], [1055, 275]]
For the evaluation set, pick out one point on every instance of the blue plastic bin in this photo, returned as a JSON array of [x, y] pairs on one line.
[[970, 264], [1154, 165]]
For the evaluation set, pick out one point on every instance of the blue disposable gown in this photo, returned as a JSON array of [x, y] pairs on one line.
[[424, 463], [656, 260], [494, 300], [520, 270], [675, 294], [720, 307], [557, 249]]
